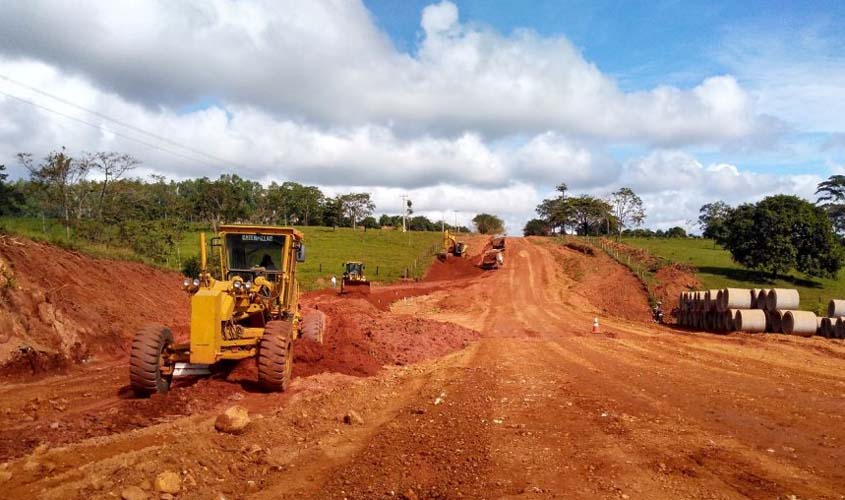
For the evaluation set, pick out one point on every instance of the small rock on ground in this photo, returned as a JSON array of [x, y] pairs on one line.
[[168, 482], [133, 493], [232, 421]]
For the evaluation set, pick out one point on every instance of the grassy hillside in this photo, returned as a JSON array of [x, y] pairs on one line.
[[386, 253], [717, 270]]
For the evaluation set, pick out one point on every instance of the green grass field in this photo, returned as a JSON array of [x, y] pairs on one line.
[[715, 269], [386, 254]]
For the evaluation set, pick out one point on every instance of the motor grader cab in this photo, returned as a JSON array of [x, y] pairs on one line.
[[497, 242], [354, 278], [249, 308], [451, 246]]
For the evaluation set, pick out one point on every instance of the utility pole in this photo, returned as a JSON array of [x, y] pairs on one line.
[[404, 212]]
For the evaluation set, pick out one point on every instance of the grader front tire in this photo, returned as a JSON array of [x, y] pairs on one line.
[[147, 360], [275, 356]]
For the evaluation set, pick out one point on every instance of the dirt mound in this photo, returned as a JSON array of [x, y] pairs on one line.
[[453, 268], [361, 338], [672, 280], [58, 307]]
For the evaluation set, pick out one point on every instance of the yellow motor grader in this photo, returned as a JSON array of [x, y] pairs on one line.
[[248, 309], [451, 246]]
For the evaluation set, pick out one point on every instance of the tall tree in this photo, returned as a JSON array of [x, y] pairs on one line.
[[62, 180], [712, 218], [588, 214], [112, 166], [781, 233], [356, 206], [10, 197], [832, 199], [488, 224], [627, 209]]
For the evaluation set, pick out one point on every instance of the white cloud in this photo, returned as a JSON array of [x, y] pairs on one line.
[[471, 120], [674, 185], [326, 62]]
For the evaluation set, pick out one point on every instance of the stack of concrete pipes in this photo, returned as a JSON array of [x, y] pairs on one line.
[[756, 311], [833, 326]]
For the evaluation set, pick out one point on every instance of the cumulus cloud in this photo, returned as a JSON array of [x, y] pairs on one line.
[[674, 185], [471, 120], [326, 62]]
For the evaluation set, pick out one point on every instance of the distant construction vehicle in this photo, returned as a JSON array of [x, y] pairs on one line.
[[354, 278], [250, 309], [498, 242], [492, 259], [451, 246]]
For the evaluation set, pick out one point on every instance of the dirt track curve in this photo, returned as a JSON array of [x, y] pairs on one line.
[[536, 407]]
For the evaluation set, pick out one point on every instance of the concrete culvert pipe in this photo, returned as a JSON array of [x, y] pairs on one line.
[[762, 299], [719, 298], [775, 319], [836, 308], [838, 331], [736, 298], [802, 323], [825, 327], [784, 299], [750, 320], [729, 320], [753, 294], [714, 300]]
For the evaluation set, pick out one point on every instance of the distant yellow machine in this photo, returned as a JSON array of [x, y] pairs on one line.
[[250, 309], [354, 278], [451, 246]]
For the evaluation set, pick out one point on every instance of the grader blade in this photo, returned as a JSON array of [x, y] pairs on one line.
[[355, 286], [189, 369]]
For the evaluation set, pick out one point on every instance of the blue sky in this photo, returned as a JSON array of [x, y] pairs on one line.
[[646, 44], [642, 43], [465, 106]]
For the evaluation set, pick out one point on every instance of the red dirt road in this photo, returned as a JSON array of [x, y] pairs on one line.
[[537, 407]]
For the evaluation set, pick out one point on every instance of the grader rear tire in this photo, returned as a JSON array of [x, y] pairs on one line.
[[275, 356], [146, 360]]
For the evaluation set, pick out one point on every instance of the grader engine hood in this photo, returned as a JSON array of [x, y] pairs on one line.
[[209, 308]]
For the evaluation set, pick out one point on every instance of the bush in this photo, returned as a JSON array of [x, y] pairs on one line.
[[192, 267]]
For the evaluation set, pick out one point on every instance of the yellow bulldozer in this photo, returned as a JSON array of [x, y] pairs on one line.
[[354, 278], [248, 309], [451, 246]]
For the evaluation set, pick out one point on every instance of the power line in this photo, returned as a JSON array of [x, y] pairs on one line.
[[118, 122], [102, 129]]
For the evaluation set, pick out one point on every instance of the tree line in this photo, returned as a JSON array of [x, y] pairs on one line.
[[587, 215], [97, 200]]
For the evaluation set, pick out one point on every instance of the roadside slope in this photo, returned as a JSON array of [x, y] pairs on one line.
[[59, 307]]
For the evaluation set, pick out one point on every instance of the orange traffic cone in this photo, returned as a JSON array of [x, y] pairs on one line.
[[596, 325]]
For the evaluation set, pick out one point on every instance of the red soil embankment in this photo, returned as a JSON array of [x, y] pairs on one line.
[[58, 307]]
